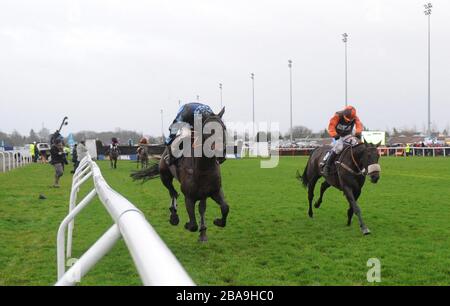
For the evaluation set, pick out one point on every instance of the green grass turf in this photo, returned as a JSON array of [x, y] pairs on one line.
[[269, 239]]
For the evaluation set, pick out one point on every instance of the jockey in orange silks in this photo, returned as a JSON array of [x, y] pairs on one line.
[[341, 128]]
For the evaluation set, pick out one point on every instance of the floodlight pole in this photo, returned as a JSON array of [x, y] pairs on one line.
[[221, 101], [252, 76], [427, 12], [290, 92], [162, 124], [345, 39]]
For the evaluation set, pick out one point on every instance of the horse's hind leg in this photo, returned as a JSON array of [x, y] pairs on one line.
[[167, 180], [311, 186], [323, 188], [219, 198], [202, 210]]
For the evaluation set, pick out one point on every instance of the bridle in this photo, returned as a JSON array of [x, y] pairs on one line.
[[214, 118], [375, 167], [360, 172]]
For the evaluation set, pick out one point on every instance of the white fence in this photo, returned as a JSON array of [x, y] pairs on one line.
[[384, 151], [13, 159], [155, 263], [415, 151]]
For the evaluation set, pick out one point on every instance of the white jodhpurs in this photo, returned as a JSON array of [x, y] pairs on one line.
[[338, 145]]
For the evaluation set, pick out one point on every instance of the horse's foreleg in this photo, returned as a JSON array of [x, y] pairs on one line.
[[350, 195], [219, 198], [190, 207], [349, 215], [174, 219], [350, 210], [202, 210], [325, 185]]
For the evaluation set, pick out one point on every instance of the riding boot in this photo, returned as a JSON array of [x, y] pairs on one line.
[[328, 163]]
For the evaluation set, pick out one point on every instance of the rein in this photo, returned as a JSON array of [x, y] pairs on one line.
[[355, 163]]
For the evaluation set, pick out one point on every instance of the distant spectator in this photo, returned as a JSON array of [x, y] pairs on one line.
[[81, 150], [75, 158], [58, 160], [36, 152], [32, 150], [408, 149]]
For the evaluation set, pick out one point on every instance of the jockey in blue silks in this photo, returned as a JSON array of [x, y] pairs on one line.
[[186, 114], [185, 117]]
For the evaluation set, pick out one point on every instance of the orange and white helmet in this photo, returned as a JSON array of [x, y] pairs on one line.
[[349, 113]]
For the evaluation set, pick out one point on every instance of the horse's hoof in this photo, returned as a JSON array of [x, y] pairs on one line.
[[366, 231], [317, 205], [219, 223], [203, 239], [191, 228], [310, 214], [174, 219]]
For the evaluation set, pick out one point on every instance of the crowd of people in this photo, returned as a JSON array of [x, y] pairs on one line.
[[429, 149]]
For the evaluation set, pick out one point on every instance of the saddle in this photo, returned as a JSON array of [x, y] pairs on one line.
[[348, 143]]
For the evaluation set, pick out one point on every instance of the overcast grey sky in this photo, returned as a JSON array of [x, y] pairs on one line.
[[110, 63]]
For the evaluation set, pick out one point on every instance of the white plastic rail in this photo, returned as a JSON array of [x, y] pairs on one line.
[[13, 159], [155, 263]]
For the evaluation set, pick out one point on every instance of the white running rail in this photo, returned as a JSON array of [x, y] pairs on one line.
[[155, 263], [13, 159]]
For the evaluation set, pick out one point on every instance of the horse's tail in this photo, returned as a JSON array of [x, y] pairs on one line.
[[146, 174], [304, 177]]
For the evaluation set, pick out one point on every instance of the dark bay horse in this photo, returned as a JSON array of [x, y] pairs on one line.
[[113, 153], [142, 156], [348, 175], [199, 178]]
